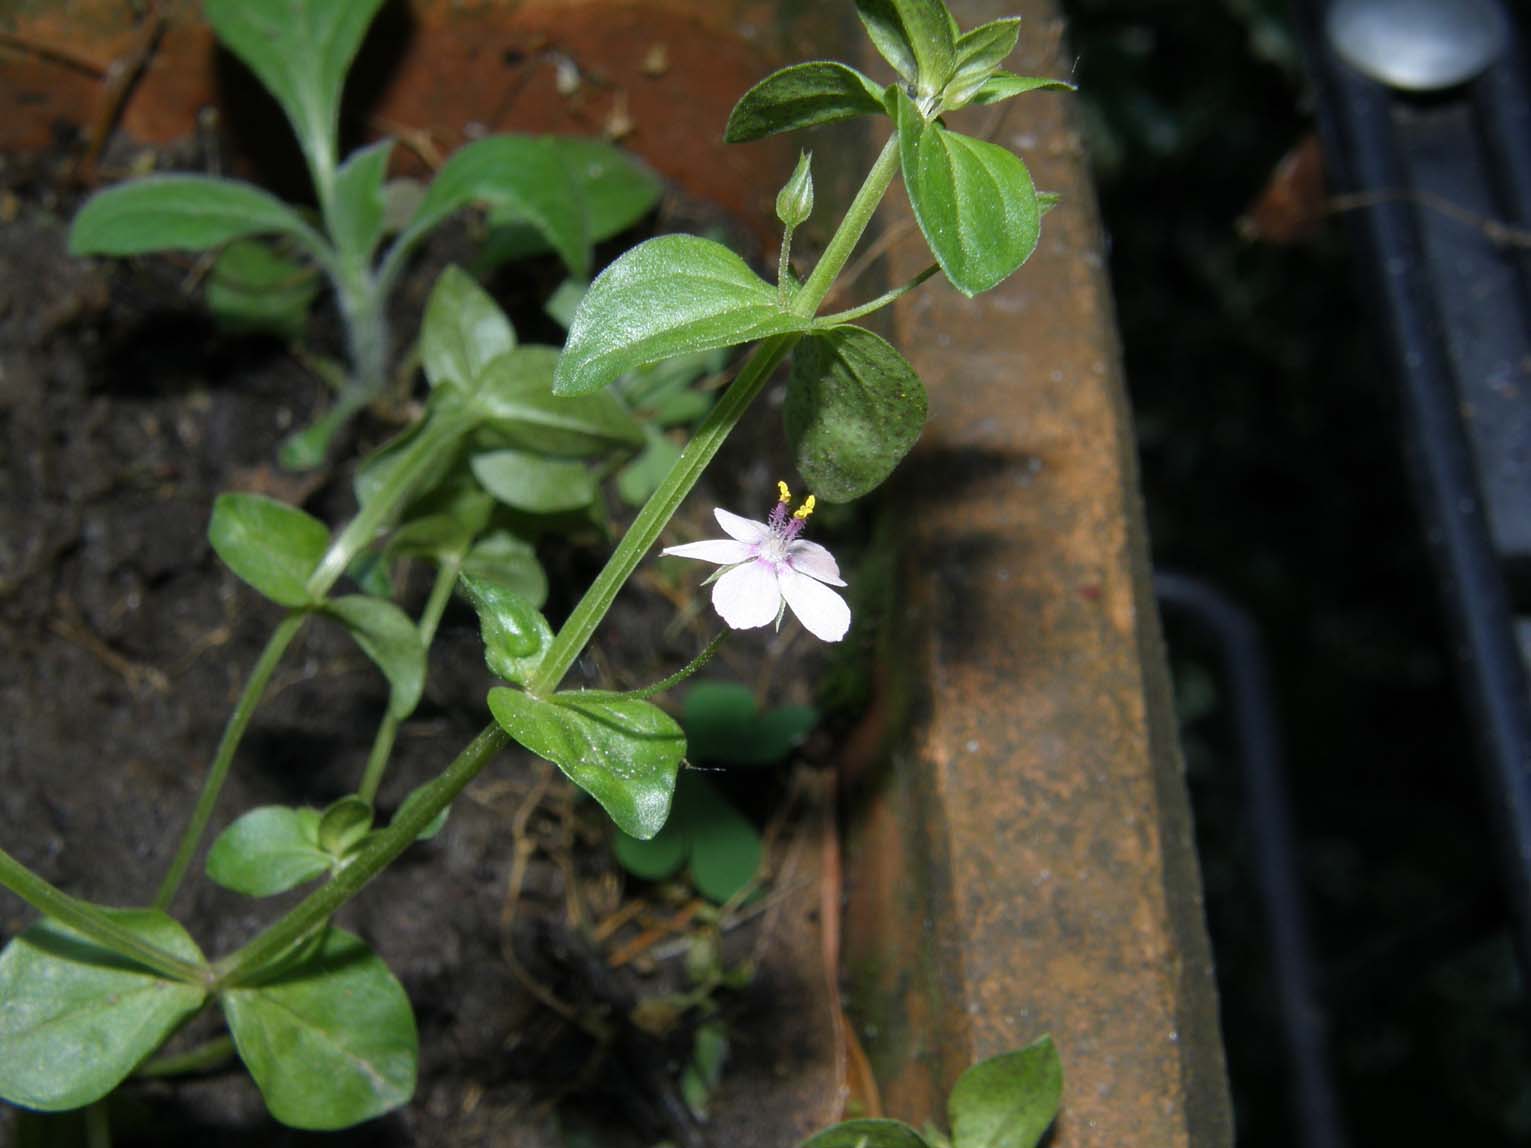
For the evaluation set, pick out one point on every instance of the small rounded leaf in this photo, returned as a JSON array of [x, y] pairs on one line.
[[330, 1039], [463, 331], [344, 824], [1007, 1101], [270, 545], [75, 1019], [867, 1134], [515, 635], [268, 850]]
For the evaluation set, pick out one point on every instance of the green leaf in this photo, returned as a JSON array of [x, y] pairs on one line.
[[854, 409], [978, 54], [300, 51], [252, 289], [177, 212], [373, 471], [973, 200], [75, 1019], [387, 636], [819, 92], [344, 824], [268, 850], [617, 188], [867, 1134], [1007, 1101], [724, 727], [668, 296], [515, 394], [622, 751], [359, 201], [1003, 85], [915, 36], [532, 482], [641, 477], [523, 175], [709, 1050], [272, 546], [511, 562], [704, 827], [330, 1040], [516, 636], [564, 301], [463, 331]]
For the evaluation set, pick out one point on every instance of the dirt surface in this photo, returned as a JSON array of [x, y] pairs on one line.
[[123, 413]]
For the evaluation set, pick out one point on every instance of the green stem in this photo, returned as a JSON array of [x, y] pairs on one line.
[[208, 1055], [218, 772], [853, 313], [90, 920], [387, 730], [704, 444], [247, 963], [657, 511], [784, 266], [663, 684], [848, 234], [438, 432], [358, 534]]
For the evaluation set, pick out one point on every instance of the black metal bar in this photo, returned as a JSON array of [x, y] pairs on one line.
[[1362, 125], [1246, 672]]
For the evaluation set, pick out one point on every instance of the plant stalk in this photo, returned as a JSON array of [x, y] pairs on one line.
[[388, 728], [228, 745], [201, 1058], [247, 963], [90, 920], [710, 435]]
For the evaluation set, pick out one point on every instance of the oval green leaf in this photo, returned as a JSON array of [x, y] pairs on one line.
[[267, 851], [668, 296], [1007, 1101], [387, 636], [177, 212], [511, 562], [252, 289], [523, 175], [854, 409], [515, 635], [624, 752], [973, 200], [463, 331], [75, 1019], [515, 394], [535, 483], [618, 189], [867, 1134], [330, 1040], [819, 92], [273, 547]]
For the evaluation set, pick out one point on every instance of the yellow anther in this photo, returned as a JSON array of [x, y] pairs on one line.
[[806, 509], [784, 494]]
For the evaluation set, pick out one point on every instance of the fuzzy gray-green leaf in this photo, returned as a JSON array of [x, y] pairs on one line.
[[177, 212], [359, 201]]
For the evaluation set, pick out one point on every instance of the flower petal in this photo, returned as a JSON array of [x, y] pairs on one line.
[[822, 612], [813, 560], [744, 529], [748, 596], [721, 551]]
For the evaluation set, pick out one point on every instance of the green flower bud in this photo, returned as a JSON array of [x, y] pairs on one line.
[[794, 203]]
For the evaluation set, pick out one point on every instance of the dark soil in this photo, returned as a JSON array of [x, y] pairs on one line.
[[124, 412]]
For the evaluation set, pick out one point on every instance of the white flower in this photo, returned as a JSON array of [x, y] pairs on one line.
[[767, 568]]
